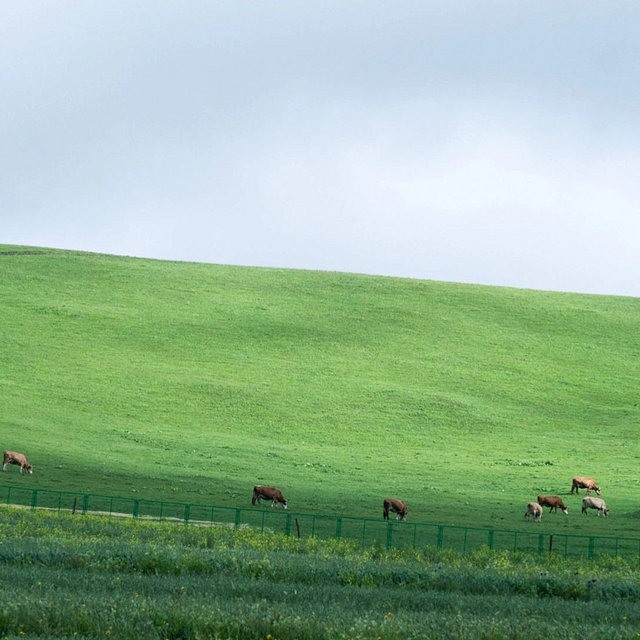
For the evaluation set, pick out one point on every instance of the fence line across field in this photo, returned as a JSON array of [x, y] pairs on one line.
[[365, 531]]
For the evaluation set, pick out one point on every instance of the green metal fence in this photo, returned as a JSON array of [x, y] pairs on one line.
[[365, 531]]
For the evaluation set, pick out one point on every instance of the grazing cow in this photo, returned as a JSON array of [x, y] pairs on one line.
[[582, 482], [399, 507], [594, 503], [268, 493], [553, 502], [535, 510], [11, 457]]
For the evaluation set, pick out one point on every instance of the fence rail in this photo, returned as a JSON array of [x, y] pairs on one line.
[[365, 531]]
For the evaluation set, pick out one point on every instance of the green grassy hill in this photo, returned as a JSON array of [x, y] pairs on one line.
[[194, 382]]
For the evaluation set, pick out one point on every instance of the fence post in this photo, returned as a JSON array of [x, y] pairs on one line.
[[136, 508], [464, 544], [592, 544], [490, 539], [550, 543], [287, 525], [34, 499], [238, 518], [440, 537], [298, 527], [389, 535], [338, 527], [540, 542], [9, 496], [85, 503], [187, 513]]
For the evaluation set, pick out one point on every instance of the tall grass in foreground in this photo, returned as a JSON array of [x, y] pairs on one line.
[[66, 576]]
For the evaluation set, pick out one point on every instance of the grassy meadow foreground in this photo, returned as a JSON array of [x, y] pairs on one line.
[[90, 577], [193, 382]]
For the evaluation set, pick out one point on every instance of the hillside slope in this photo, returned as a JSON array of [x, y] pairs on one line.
[[194, 382]]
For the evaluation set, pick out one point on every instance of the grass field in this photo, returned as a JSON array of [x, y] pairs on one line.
[[194, 382], [89, 577]]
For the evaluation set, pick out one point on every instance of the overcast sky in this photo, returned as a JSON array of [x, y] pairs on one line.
[[493, 142]]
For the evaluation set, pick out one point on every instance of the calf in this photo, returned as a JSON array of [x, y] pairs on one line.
[[399, 507], [594, 503], [268, 493], [582, 482], [11, 457], [535, 510], [553, 502]]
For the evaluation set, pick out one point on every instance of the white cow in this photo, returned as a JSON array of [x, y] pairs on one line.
[[594, 503], [535, 510]]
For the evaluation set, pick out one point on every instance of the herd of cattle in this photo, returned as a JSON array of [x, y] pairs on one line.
[[399, 507], [534, 509]]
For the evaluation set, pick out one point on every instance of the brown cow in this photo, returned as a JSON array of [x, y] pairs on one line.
[[554, 502], [582, 482], [11, 457], [399, 507], [268, 493]]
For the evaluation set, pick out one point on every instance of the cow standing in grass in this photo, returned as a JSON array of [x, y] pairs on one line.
[[535, 510], [553, 502], [268, 493], [595, 503], [11, 457], [399, 507], [582, 482]]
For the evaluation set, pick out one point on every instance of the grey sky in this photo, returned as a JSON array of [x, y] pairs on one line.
[[494, 142]]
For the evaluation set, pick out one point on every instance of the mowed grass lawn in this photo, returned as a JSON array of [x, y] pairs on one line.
[[193, 382]]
